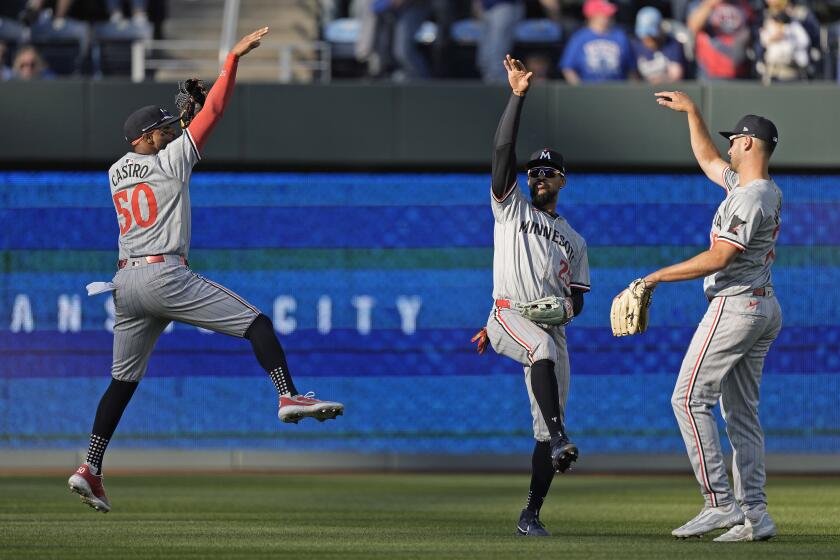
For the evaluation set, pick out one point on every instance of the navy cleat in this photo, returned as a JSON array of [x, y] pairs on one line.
[[530, 525], [563, 453]]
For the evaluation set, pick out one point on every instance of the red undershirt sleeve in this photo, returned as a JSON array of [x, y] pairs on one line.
[[217, 99]]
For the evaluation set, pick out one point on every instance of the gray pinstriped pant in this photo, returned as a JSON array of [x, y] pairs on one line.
[[148, 296], [522, 340], [724, 363]]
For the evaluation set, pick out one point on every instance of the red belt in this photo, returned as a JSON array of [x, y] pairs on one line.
[[503, 303], [151, 259]]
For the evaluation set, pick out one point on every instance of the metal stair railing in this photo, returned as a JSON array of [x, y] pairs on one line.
[[314, 56]]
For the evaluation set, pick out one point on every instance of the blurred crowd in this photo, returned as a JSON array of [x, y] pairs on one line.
[[44, 38], [656, 41]]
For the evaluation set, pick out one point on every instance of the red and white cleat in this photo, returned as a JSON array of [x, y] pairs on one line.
[[89, 488], [292, 409]]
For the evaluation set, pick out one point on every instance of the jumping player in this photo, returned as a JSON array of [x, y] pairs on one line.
[[154, 285], [536, 254], [726, 355]]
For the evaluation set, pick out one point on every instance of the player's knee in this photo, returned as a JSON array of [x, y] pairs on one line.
[[678, 402], [544, 349], [261, 327]]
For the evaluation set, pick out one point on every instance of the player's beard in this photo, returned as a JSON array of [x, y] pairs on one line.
[[545, 198]]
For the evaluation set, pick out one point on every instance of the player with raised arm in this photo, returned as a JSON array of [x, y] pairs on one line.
[[540, 273], [726, 355], [154, 285]]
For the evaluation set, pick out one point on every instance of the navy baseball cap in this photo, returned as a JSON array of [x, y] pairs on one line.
[[145, 119], [755, 126], [547, 158]]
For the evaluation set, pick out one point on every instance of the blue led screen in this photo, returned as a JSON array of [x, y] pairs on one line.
[[375, 284]]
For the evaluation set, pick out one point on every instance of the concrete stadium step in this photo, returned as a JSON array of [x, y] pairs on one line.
[[291, 21]]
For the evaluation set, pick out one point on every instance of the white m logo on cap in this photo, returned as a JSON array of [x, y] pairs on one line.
[[545, 155]]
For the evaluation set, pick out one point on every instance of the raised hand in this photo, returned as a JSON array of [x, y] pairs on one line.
[[518, 76], [249, 42], [675, 100]]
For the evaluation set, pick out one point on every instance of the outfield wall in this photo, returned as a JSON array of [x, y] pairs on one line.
[[375, 284], [436, 125]]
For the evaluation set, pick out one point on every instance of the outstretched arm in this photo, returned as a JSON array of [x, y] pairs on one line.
[[504, 149], [700, 15], [708, 262], [217, 99], [704, 149]]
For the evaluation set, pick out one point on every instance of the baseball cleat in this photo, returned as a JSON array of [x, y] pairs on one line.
[[293, 409], [760, 529], [563, 453], [530, 525], [89, 488], [709, 519]]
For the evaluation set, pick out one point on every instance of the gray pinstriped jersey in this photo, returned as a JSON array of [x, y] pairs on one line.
[[749, 219], [535, 254], [151, 194]]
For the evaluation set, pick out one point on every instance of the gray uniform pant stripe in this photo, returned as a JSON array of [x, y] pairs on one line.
[[520, 339], [147, 298], [724, 363]]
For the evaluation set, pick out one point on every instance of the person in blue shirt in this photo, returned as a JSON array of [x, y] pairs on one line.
[[598, 52], [659, 57]]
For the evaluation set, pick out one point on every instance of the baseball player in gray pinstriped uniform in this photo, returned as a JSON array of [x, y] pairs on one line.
[[536, 254], [154, 285], [726, 355]]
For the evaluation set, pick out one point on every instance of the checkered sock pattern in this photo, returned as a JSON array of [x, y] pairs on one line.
[[96, 450], [282, 381]]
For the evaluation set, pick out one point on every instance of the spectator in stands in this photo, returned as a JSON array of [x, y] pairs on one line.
[[40, 10], [5, 71], [659, 57], [387, 38], [599, 51], [785, 45], [796, 12], [139, 11], [722, 36], [498, 22], [795, 18], [29, 65]]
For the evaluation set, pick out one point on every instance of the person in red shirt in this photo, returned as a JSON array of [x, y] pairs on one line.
[[722, 35]]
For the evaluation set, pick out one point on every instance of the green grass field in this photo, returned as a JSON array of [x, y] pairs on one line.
[[394, 516]]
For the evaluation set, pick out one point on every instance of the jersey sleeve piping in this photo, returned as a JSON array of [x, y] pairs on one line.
[[732, 242], [507, 194], [192, 143], [725, 184]]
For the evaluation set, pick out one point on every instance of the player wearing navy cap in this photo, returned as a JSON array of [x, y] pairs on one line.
[[154, 285], [540, 273], [725, 358]]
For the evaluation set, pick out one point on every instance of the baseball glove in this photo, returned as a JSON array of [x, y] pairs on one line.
[[191, 97], [552, 310], [481, 340], [629, 312]]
